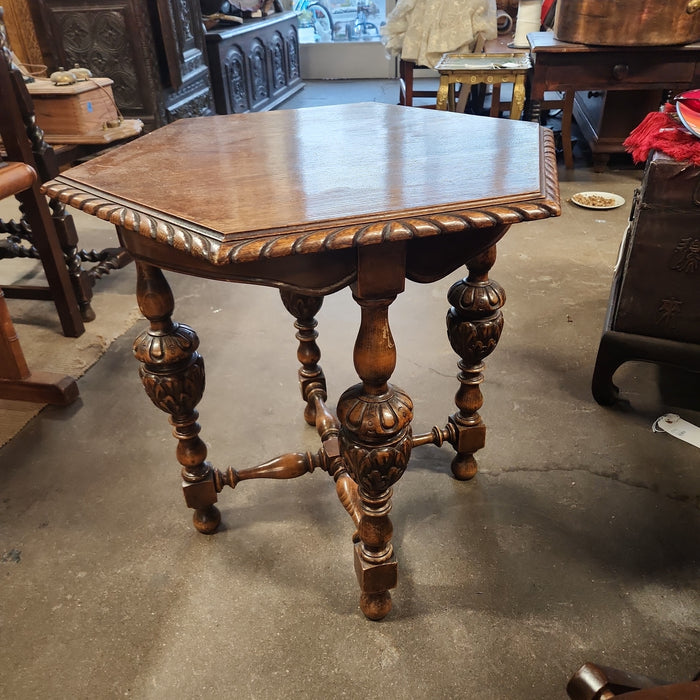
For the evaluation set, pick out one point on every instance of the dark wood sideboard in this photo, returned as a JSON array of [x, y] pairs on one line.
[[153, 51], [254, 66], [615, 86]]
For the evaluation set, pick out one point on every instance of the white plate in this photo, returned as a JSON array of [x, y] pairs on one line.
[[587, 200]]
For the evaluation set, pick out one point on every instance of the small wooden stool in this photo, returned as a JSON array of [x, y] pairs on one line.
[[486, 69]]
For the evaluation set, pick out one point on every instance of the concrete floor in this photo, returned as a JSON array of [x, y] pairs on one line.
[[577, 541]]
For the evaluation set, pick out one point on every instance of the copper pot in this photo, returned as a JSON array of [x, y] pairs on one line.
[[628, 22]]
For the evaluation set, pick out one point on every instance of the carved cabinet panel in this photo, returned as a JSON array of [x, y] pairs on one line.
[[254, 66], [153, 51]]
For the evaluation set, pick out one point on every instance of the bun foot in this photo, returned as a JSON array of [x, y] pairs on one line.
[[375, 606], [206, 520], [464, 467], [310, 414], [87, 313]]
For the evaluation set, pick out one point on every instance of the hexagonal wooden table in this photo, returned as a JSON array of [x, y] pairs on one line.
[[311, 201]]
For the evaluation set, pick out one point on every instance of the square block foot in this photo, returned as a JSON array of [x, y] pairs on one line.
[[200, 494], [375, 578], [470, 438]]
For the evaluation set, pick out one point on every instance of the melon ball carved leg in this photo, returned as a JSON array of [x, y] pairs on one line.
[[474, 325], [375, 444], [172, 372]]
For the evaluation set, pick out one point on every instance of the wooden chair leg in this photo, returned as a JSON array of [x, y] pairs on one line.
[[68, 239], [17, 383], [405, 83], [46, 242]]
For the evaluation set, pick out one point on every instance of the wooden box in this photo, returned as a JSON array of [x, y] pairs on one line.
[[73, 110]]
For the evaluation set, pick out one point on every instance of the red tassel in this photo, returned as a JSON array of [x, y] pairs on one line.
[[642, 139], [658, 131]]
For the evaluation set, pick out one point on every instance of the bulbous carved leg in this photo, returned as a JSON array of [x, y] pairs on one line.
[[375, 443], [311, 378], [474, 324], [172, 372]]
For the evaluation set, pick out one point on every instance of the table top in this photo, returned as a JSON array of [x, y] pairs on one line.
[[546, 42], [244, 187]]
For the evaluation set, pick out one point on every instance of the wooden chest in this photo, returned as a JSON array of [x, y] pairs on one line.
[[654, 309], [659, 274], [255, 66], [73, 110]]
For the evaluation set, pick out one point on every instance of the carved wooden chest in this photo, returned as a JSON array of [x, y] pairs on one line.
[[255, 66], [654, 309], [659, 290]]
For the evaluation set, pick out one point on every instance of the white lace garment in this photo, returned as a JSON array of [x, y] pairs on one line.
[[422, 30]]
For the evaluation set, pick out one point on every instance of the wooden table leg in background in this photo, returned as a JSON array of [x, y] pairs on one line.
[[312, 381], [474, 325]]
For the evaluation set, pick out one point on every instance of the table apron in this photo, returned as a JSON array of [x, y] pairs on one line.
[[600, 76], [427, 260]]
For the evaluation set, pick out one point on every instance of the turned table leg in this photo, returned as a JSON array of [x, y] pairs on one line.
[[474, 324], [172, 372], [312, 382], [375, 434]]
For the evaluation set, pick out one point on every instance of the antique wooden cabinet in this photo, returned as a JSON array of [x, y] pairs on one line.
[[153, 51], [254, 66], [654, 309], [625, 84]]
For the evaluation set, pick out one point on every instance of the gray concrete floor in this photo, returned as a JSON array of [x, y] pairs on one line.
[[577, 541]]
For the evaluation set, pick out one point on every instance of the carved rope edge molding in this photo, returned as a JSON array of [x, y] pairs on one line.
[[206, 248]]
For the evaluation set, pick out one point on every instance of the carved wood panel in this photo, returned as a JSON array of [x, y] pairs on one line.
[[255, 66], [153, 52], [235, 79], [658, 291]]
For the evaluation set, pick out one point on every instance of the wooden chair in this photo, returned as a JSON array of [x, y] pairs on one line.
[[44, 232], [593, 682], [406, 91], [16, 381]]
